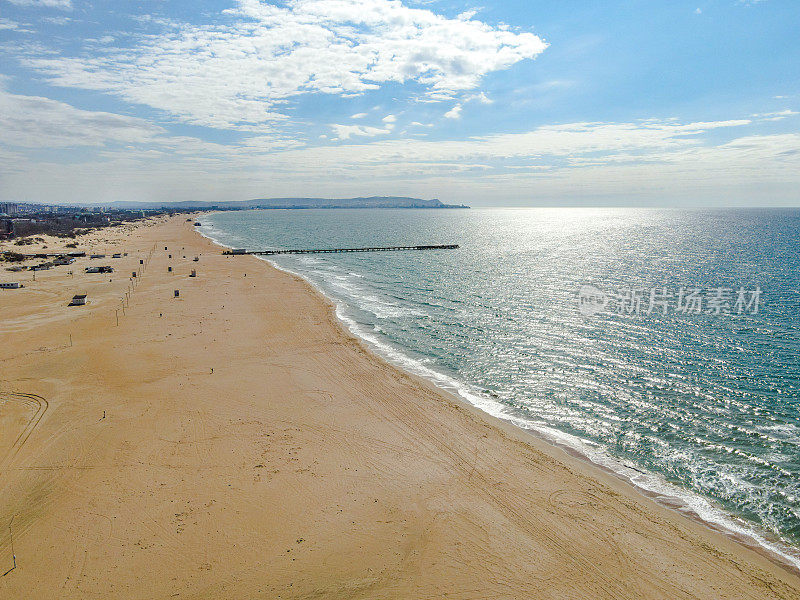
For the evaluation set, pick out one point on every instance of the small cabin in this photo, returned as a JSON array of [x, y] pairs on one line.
[[10, 285], [97, 256], [117, 255], [78, 300]]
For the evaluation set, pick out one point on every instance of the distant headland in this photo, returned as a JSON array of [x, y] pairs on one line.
[[298, 203]]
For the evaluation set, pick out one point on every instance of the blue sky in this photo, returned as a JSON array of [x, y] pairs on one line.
[[503, 103]]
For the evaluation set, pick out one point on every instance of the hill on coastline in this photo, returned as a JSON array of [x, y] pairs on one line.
[[271, 203]]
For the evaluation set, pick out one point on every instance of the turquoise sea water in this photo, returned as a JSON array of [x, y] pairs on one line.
[[701, 409]]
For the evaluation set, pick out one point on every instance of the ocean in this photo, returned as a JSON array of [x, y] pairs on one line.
[[662, 344]]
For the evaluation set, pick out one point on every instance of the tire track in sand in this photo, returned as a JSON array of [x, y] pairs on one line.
[[41, 405]]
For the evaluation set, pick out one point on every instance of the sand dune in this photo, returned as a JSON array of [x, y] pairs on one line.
[[235, 442]]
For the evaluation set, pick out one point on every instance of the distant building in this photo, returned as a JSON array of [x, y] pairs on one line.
[[10, 208], [10, 285], [78, 300]]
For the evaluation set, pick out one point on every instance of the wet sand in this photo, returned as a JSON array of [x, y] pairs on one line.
[[236, 442]]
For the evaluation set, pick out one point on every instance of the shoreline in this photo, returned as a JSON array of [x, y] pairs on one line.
[[657, 489], [237, 441]]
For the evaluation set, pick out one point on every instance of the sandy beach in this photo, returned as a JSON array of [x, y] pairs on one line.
[[236, 442]]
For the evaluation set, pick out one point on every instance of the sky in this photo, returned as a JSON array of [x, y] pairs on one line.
[[512, 103]]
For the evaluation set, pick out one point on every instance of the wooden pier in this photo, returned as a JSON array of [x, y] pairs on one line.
[[237, 252]]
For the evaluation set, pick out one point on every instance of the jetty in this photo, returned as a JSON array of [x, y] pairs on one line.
[[241, 251]]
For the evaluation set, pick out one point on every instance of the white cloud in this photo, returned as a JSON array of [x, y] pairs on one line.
[[482, 98], [8, 24], [663, 159], [358, 116], [61, 4], [344, 132], [775, 116], [238, 74], [454, 113], [270, 142], [389, 119], [60, 20], [36, 122]]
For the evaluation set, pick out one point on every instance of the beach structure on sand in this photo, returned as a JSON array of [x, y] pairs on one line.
[[239, 251], [97, 256], [10, 285], [103, 269], [77, 300]]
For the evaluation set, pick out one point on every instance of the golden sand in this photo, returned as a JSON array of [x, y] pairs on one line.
[[235, 442]]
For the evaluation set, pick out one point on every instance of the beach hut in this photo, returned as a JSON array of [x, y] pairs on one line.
[[193, 273], [78, 300], [10, 285]]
